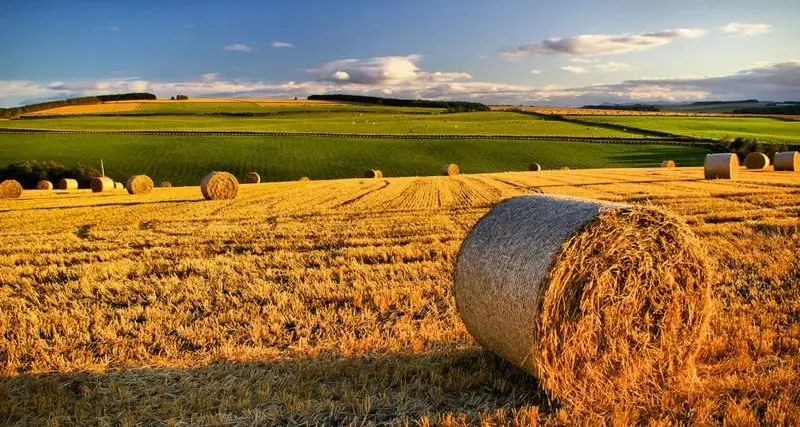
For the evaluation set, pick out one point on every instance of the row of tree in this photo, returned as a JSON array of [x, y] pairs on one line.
[[450, 106], [85, 100]]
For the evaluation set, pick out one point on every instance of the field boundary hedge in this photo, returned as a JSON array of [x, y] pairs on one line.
[[610, 140]]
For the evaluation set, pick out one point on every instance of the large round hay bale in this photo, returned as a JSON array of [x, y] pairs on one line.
[[67, 184], [668, 164], [44, 185], [534, 167], [101, 184], [165, 184], [756, 161], [119, 186], [603, 302], [252, 178], [787, 161], [721, 166], [373, 173], [10, 189], [219, 186], [451, 169], [139, 184]]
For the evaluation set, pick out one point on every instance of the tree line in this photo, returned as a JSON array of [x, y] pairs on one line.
[[450, 106]]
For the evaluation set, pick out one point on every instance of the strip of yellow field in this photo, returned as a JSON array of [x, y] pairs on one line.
[[329, 302], [109, 107]]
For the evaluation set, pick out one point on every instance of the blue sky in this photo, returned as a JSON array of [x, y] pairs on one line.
[[506, 51]]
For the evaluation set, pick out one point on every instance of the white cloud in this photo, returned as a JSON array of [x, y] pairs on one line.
[[341, 75], [279, 44], [238, 47], [738, 29], [611, 66], [601, 44], [775, 81], [383, 70], [576, 69], [209, 77], [581, 60], [536, 71]]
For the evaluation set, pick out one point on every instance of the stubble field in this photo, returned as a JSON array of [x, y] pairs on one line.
[[329, 302]]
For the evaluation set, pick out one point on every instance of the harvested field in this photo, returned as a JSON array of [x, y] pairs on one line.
[[330, 302]]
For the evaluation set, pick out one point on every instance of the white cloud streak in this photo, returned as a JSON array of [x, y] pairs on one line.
[[601, 44], [238, 47], [282, 45], [738, 29], [575, 69]]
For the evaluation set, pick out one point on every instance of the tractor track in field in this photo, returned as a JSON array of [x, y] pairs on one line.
[[562, 138]]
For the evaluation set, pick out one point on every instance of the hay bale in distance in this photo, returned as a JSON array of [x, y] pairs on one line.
[[304, 179], [165, 184], [721, 166], [101, 184], [10, 189], [787, 161], [534, 167], [119, 186], [668, 164], [44, 185], [139, 184], [564, 168], [219, 186], [521, 288], [451, 169], [758, 161], [373, 173], [67, 184], [252, 178]]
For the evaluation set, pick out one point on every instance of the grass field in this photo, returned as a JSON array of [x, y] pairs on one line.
[[329, 302], [184, 160], [484, 123], [763, 129]]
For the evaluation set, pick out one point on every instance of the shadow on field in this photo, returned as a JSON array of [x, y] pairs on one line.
[[655, 158], [330, 391], [103, 205]]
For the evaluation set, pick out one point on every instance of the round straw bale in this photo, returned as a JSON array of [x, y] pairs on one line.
[[564, 168], [668, 164], [601, 301], [101, 184], [165, 184], [139, 184], [373, 173], [304, 179], [252, 178], [721, 166], [534, 167], [119, 185], [67, 184], [10, 189], [756, 161], [44, 185], [787, 161], [451, 169], [219, 185]]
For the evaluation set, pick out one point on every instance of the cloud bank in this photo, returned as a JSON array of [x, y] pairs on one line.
[[738, 29], [402, 77], [601, 44]]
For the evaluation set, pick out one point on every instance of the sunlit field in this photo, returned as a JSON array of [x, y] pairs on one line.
[[329, 302]]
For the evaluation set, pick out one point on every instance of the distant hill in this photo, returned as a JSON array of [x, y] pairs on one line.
[[450, 106], [86, 100]]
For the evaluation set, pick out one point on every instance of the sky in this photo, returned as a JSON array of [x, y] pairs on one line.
[[500, 52]]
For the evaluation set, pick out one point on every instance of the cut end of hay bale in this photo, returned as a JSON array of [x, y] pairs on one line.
[[219, 186], [165, 184], [10, 189], [628, 286], [721, 166], [373, 173], [534, 167], [119, 186], [451, 169], [101, 184], [44, 185], [139, 184], [252, 178], [757, 161], [67, 184], [668, 164], [787, 161]]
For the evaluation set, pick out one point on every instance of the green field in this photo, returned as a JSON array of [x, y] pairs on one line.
[[765, 130], [184, 160], [483, 123]]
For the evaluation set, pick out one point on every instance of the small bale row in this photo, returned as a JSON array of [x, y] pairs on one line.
[[603, 302], [219, 186], [10, 189]]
